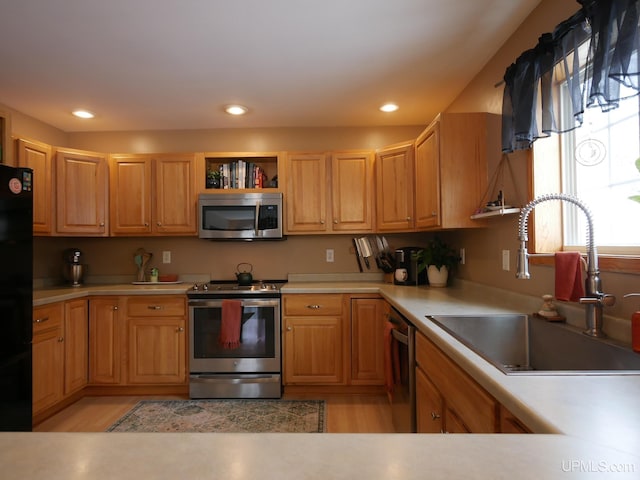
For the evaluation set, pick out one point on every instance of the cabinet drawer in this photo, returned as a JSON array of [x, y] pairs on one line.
[[48, 317], [476, 409], [156, 306], [318, 304]]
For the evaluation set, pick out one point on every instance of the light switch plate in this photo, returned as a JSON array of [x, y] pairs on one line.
[[166, 257], [329, 255]]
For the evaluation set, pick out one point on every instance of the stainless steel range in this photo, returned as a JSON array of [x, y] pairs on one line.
[[234, 340]]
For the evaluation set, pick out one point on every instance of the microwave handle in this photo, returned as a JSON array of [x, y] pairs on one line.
[[257, 218]]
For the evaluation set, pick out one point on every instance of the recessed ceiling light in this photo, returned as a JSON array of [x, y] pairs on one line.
[[236, 109], [389, 107], [83, 114]]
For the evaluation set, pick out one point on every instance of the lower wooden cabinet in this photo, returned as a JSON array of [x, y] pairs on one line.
[[156, 340], [448, 400], [333, 339], [59, 352], [106, 334]]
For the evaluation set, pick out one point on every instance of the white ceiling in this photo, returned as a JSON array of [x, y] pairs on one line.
[[173, 64]]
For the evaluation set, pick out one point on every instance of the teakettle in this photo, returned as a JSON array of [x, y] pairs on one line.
[[244, 277]]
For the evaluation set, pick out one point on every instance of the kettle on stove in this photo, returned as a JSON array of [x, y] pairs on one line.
[[244, 277]]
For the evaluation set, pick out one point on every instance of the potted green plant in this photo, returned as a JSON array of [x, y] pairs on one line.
[[213, 178], [438, 259]]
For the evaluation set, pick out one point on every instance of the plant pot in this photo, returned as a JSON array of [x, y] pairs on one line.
[[437, 277], [213, 183]]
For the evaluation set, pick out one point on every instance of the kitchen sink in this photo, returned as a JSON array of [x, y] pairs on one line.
[[527, 345]]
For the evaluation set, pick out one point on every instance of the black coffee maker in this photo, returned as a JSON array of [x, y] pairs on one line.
[[406, 272]]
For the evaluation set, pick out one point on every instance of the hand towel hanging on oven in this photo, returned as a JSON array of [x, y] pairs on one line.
[[231, 323]]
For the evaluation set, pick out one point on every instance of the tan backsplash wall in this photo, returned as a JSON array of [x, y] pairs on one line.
[[217, 259]]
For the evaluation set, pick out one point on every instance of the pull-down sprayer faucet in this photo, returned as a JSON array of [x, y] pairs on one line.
[[594, 299]]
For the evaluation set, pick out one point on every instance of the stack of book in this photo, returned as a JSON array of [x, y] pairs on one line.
[[242, 174]]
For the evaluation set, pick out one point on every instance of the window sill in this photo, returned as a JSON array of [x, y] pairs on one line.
[[606, 263]]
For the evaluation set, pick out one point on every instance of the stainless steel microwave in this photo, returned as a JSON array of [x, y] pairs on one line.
[[240, 216]]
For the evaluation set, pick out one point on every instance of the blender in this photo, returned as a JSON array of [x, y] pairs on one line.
[[73, 268]]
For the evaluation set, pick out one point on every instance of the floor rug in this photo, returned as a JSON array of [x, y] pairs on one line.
[[224, 416]]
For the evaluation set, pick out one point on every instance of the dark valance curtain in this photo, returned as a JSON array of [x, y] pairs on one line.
[[585, 59]]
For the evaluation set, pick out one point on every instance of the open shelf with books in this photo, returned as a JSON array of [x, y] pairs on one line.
[[235, 171]]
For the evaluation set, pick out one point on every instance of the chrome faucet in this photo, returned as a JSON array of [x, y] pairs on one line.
[[594, 299]]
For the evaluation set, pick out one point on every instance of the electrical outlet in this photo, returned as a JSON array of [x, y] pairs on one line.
[[329, 255], [506, 260], [166, 256], [463, 256]]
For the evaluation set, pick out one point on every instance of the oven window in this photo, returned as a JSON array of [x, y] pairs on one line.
[[256, 339]]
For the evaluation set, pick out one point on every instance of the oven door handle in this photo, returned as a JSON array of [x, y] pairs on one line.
[[246, 302], [256, 223]]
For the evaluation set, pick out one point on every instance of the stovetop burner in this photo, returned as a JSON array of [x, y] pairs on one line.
[[231, 287]]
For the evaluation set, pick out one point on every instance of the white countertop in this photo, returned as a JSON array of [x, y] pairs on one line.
[[597, 419]]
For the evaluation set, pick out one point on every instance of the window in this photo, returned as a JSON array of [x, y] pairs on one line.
[[599, 167]]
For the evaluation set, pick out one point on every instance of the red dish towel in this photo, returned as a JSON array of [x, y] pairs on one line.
[[230, 326], [569, 285], [391, 358]]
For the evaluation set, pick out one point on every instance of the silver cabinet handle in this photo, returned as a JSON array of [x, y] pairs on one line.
[[41, 320], [154, 307], [314, 307]]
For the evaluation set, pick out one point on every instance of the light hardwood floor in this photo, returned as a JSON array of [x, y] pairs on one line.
[[345, 413]]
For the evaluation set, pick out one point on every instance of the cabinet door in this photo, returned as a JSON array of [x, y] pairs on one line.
[[174, 195], [352, 192], [48, 356], [313, 350], [156, 350], [509, 423], [130, 197], [105, 341], [76, 345], [367, 341], [81, 193], [394, 185], [428, 179], [37, 156], [429, 405], [306, 198]]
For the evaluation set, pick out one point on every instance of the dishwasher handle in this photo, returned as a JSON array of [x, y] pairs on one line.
[[399, 336]]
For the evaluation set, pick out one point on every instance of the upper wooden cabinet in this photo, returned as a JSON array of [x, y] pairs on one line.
[[451, 168], [395, 188], [81, 193], [153, 194], [37, 156], [329, 192]]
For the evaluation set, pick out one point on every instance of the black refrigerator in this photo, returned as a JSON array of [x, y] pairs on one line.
[[16, 297]]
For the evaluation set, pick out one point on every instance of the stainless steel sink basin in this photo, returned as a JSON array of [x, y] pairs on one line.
[[527, 345]]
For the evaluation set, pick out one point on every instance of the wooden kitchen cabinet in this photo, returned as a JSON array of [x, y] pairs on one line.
[[156, 339], [448, 400], [466, 407], [451, 158], [59, 352], [330, 192], [37, 156], [106, 338], [76, 342], [82, 193], [395, 183], [153, 194], [367, 341], [48, 356], [315, 335]]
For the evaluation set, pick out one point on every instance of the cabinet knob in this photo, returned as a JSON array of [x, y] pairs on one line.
[[434, 214], [180, 329], [154, 307], [321, 222], [159, 224], [102, 224], [313, 307], [60, 339], [146, 224], [41, 320], [408, 218], [289, 329], [335, 222], [115, 307], [434, 416]]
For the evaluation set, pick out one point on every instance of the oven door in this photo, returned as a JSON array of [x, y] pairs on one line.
[[259, 346]]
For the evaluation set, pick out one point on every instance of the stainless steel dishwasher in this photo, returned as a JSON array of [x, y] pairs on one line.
[[403, 397]]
